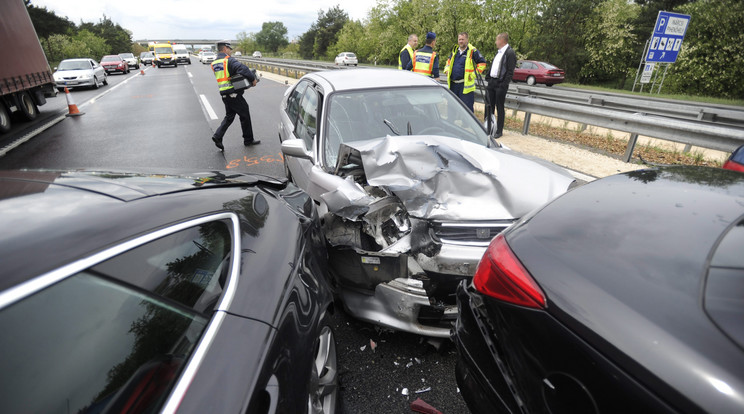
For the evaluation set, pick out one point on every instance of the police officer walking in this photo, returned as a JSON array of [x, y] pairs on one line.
[[224, 67], [425, 60], [461, 66], [406, 54]]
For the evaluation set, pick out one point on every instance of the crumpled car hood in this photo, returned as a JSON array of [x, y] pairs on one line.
[[445, 178]]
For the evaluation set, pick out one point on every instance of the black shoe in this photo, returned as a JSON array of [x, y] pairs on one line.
[[218, 143], [253, 142], [497, 135]]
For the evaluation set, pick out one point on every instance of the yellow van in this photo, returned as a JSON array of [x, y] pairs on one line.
[[164, 55]]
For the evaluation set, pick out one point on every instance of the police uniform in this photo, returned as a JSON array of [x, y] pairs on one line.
[[405, 57], [460, 68], [224, 67], [426, 60]]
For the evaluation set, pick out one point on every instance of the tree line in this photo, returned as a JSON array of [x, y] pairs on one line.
[[597, 42], [62, 39]]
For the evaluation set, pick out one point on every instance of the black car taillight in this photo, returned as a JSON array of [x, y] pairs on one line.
[[501, 276]]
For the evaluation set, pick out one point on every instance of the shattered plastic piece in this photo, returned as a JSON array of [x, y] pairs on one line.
[[420, 406], [409, 365], [363, 348], [396, 363], [372, 345], [418, 361], [422, 390], [405, 391]]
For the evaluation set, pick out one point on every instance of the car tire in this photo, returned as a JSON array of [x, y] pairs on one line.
[[549, 85], [27, 106], [323, 382], [4, 119], [105, 79], [95, 82], [530, 80]]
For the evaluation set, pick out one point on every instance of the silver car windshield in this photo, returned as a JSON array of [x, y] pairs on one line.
[[370, 114], [74, 65]]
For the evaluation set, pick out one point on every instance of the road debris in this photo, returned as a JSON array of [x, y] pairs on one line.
[[420, 406]]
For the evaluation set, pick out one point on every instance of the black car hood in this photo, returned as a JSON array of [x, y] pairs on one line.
[[124, 186]]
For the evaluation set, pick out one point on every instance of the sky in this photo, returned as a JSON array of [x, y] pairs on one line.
[[195, 19]]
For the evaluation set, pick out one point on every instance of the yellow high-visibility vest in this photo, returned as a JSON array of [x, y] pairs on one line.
[[219, 67], [421, 64], [469, 84], [410, 55]]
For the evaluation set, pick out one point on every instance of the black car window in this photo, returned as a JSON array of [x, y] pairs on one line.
[[90, 344], [306, 126], [293, 102], [188, 267]]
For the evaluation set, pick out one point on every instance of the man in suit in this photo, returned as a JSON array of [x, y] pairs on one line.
[[499, 76]]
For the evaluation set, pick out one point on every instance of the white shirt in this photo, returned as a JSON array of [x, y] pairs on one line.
[[497, 62]]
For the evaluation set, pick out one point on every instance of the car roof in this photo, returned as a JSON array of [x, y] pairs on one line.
[[76, 60], [363, 78]]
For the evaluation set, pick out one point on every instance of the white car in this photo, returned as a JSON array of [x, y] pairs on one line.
[[410, 188], [75, 73], [346, 59], [130, 59], [207, 57], [257, 54]]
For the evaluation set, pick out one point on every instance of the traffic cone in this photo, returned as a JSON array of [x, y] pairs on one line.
[[71, 107], [142, 72]]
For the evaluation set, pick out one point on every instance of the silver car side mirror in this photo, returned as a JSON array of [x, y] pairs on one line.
[[296, 148]]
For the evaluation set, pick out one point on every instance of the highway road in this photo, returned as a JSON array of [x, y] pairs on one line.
[[162, 121]]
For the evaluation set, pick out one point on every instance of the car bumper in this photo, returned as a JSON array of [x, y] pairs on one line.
[[74, 83], [113, 69], [183, 60]]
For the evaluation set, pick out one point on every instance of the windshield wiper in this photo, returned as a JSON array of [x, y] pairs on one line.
[[391, 126]]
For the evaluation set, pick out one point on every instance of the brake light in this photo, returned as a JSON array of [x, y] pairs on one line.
[[734, 166], [501, 276]]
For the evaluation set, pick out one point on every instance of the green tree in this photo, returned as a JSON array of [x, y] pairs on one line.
[[322, 34], [560, 39], [46, 22], [272, 36], [83, 44], [246, 42], [353, 38], [610, 42], [117, 38], [711, 61]]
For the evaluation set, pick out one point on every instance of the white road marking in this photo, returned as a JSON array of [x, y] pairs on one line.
[[208, 107]]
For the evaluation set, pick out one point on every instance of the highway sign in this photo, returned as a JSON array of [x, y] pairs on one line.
[[667, 37], [648, 70]]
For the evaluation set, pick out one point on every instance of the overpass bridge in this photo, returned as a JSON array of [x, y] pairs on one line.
[[194, 43]]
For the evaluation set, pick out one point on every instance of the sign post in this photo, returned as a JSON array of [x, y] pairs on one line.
[[664, 44]]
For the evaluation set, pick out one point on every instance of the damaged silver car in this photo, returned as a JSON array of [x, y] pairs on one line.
[[410, 187]]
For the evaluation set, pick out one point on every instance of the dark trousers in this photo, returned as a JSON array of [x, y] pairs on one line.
[[496, 91], [468, 99], [236, 106]]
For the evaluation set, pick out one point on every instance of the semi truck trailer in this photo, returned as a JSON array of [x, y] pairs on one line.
[[25, 76]]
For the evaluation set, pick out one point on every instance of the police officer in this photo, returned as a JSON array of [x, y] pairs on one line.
[[224, 67], [461, 66], [406, 54], [425, 60]]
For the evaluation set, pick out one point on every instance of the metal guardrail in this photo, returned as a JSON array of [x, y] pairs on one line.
[[714, 127]]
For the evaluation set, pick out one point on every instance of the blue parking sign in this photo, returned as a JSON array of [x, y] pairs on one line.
[[667, 37]]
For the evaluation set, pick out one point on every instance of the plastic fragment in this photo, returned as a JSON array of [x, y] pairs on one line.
[[404, 391], [362, 348], [422, 390], [420, 406], [372, 345]]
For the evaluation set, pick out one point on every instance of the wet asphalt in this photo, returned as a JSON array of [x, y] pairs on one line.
[[163, 120]]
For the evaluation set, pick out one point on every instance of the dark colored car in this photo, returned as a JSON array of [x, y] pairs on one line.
[[735, 162], [533, 71], [114, 63], [158, 293], [625, 295]]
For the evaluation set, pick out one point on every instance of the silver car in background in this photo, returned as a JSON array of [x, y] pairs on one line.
[[410, 187], [75, 73], [131, 60]]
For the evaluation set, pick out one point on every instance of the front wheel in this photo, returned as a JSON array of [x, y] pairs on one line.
[[105, 79], [531, 80], [323, 387], [95, 83]]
